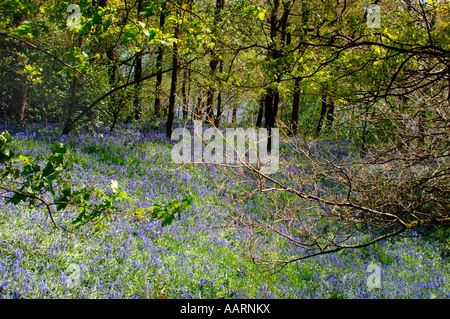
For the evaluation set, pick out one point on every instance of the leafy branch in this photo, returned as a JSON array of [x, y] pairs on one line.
[[23, 180]]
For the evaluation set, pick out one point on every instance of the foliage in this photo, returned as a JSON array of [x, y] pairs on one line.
[[368, 158], [197, 256], [26, 181], [166, 211]]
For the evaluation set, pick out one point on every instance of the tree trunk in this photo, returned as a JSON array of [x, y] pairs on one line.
[[199, 107], [184, 94], [219, 100], [330, 113], [72, 105], [114, 121], [295, 107], [138, 74], [271, 102], [19, 96], [219, 110], [234, 115], [272, 97], [363, 151], [173, 87], [112, 72], [188, 96], [100, 3], [137, 87], [261, 111], [213, 63], [73, 98], [210, 95], [159, 60], [19, 103]]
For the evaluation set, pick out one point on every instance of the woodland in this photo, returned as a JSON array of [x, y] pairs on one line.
[[92, 204]]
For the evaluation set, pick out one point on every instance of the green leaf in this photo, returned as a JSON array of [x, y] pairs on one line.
[[16, 199]]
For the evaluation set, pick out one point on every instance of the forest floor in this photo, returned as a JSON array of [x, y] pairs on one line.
[[196, 256]]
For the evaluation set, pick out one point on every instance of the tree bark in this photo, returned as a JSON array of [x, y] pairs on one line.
[[330, 113], [138, 73], [219, 110], [112, 72], [100, 3], [199, 107], [219, 100], [213, 63], [19, 98], [271, 102], [234, 115], [277, 26], [72, 102], [184, 94], [19, 103], [210, 95], [73, 97], [159, 60], [261, 111], [173, 87], [295, 107]]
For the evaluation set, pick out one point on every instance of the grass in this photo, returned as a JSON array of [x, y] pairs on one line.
[[194, 257]]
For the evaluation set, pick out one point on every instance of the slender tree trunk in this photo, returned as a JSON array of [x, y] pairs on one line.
[[19, 103], [295, 107], [138, 73], [276, 103], [273, 54], [210, 95], [159, 60], [261, 111], [268, 102], [114, 121], [137, 87], [219, 100], [330, 113], [184, 94], [159, 78], [100, 3], [112, 71], [271, 102], [234, 115], [199, 108], [363, 151], [268, 106], [219, 110], [188, 97], [43, 110], [19, 98], [73, 98], [276, 55], [213, 63], [72, 105], [173, 88], [272, 97]]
